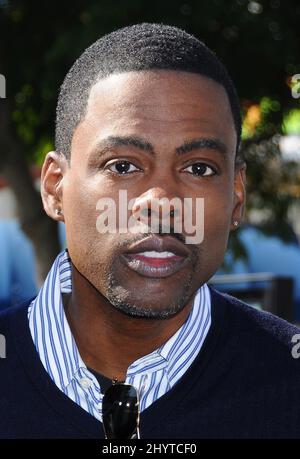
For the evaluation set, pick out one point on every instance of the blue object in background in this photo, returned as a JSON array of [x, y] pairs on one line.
[[17, 267], [266, 254]]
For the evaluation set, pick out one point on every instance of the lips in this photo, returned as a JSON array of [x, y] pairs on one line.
[[156, 257]]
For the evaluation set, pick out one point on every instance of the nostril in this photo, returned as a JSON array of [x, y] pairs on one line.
[[174, 213], [146, 212]]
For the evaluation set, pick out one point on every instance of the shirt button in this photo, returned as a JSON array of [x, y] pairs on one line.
[[85, 382]]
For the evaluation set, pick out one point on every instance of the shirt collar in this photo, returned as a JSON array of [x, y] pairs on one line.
[[56, 345]]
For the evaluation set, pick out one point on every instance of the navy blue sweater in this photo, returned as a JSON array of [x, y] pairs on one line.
[[244, 383]]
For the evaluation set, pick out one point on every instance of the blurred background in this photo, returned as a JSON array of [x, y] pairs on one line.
[[259, 43]]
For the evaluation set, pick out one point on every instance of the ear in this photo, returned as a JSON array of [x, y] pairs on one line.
[[239, 195], [53, 171]]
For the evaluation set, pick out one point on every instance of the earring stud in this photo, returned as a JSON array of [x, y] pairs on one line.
[[58, 212], [235, 223]]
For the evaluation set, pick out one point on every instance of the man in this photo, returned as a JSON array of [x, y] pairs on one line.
[[148, 110]]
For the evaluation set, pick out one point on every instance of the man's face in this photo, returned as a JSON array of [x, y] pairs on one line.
[[164, 110]]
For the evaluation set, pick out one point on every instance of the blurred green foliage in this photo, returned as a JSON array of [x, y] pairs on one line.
[[291, 122]]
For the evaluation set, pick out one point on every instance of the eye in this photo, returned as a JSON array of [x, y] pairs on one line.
[[122, 167], [200, 169]]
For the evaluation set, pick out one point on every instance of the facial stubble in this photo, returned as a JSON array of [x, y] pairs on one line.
[[119, 296]]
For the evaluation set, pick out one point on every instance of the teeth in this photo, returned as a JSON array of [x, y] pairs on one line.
[[154, 254]]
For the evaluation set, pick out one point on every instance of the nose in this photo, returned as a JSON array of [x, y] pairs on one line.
[[159, 209]]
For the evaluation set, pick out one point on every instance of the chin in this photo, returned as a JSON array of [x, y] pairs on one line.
[[152, 311], [153, 299]]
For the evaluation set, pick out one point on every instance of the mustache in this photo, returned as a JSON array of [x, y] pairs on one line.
[[140, 236]]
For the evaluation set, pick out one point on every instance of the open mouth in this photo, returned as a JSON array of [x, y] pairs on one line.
[[157, 257]]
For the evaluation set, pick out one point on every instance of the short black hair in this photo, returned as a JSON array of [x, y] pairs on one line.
[[138, 47]]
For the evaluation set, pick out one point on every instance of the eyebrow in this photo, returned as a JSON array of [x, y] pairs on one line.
[[202, 143], [121, 141], [141, 144]]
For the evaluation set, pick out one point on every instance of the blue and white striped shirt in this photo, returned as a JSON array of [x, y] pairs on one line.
[[152, 375]]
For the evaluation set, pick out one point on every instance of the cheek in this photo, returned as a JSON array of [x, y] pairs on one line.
[[79, 202], [91, 251], [218, 211], [79, 211], [217, 218]]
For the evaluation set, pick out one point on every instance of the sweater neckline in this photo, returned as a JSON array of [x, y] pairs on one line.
[[80, 419]]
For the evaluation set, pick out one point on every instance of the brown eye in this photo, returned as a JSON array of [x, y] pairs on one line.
[[122, 167], [200, 169]]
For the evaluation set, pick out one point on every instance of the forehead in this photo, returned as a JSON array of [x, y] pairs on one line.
[[161, 103]]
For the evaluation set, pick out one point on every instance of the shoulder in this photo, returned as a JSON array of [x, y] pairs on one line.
[[261, 335], [14, 316]]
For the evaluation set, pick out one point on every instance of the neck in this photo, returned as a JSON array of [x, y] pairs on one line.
[[107, 339]]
